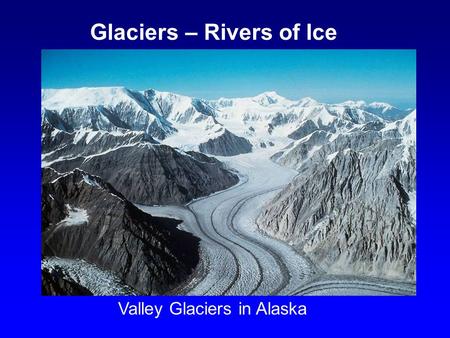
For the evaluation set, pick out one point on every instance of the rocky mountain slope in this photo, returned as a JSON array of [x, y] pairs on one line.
[[84, 217], [226, 144], [119, 110], [108, 109], [381, 109], [143, 170], [216, 127], [352, 206], [56, 283]]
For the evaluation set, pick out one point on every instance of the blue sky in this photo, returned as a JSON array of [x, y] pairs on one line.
[[326, 75]]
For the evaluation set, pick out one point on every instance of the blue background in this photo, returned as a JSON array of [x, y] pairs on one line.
[[28, 28]]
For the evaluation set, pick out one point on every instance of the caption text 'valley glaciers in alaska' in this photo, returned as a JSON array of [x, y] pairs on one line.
[[209, 172]]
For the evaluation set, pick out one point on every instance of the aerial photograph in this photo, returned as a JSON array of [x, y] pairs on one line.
[[228, 172]]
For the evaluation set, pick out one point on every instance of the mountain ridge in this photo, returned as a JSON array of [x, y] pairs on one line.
[[351, 208]]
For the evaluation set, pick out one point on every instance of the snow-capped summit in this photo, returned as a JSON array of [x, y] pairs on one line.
[[57, 99], [186, 122], [180, 109], [381, 105], [103, 108], [268, 98], [382, 109], [407, 126], [354, 104], [251, 108], [306, 102]]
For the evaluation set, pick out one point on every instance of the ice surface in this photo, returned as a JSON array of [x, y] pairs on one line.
[[236, 257], [100, 282]]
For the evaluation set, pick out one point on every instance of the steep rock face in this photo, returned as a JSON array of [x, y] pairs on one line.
[[179, 109], [107, 109], [298, 152], [304, 129], [226, 144], [336, 124], [56, 283], [381, 109], [189, 123], [142, 170], [154, 174], [84, 217], [352, 206], [57, 145]]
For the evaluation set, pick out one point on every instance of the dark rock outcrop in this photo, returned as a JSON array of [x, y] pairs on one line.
[[56, 283], [142, 170], [84, 217], [226, 144], [57, 145], [154, 174], [304, 129]]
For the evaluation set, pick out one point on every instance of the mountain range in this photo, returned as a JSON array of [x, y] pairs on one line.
[[350, 209], [190, 123]]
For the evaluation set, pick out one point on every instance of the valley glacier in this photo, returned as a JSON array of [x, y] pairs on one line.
[[284, 196]]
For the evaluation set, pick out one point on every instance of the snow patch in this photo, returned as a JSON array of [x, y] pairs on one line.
[[332, 156], [76, 216], [412, 204], [90, 181]]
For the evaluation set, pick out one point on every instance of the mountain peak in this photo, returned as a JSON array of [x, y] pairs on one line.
[[307, 101], [268, 98], [271, 93], [83, 97], [354, 104], [381, 105]]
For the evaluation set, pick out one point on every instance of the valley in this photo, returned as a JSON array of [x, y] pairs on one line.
[[237, 258], [245, 196]]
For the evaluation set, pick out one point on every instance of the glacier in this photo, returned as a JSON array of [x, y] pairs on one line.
[[285, 196]]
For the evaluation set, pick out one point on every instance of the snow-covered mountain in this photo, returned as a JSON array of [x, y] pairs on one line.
[[142, 169], [382, 109], [352, 206], [219, 126], [108, 108]]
